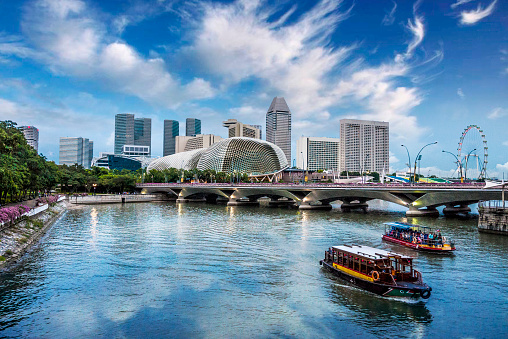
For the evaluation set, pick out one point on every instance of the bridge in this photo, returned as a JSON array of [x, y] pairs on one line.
[[420, 199]]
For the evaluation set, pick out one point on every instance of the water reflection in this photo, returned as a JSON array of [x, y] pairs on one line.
[[384, 317], [212, 271]]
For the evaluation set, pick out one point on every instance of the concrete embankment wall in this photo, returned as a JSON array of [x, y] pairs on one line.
[[493, 220], [18, 238]]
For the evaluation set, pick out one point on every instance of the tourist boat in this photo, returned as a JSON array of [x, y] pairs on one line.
[[385, 273], [418, 237]]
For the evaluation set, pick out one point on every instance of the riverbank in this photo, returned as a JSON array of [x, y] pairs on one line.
[[20, 237]]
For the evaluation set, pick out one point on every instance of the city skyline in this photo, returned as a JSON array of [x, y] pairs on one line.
[[429, 69]]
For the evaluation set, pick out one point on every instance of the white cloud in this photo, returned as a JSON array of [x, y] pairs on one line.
[[505, 143], [393, 159], [459, 3], [417, 29], [472, 17], [389, 18], [502, 167], [460, 93], [497, 113], [87, 123], [72, 41]]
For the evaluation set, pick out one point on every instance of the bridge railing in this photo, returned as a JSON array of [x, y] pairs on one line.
[[317, 185], [498, 204]]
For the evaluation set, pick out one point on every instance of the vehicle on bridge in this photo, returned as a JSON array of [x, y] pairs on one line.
[[421, 238], [381, 272]]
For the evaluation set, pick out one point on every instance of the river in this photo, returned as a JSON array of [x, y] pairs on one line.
[[211, 271]]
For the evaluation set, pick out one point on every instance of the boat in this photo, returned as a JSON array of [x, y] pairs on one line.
[[421, 238], [378, 271]]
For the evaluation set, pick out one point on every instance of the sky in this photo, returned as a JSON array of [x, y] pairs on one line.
[[429, 68]]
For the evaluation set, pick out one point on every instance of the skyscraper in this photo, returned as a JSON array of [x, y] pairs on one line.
[[31, 134], [124, 131], [314, 154], [132, 131], [278, 125], [76, 151], [364, 145], [171, 131], [238, 129], [260, 128], [192, 127], [143, 132]]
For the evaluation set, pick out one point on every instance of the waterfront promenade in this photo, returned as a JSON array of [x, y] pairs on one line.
[[420, 199]]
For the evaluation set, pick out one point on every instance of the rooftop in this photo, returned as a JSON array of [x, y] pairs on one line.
[[370, 252]]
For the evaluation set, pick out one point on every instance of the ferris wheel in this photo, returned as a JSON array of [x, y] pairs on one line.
[[473, 152]]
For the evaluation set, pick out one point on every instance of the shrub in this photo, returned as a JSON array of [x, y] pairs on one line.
[[23, 240], [2, 258], [8, 252]]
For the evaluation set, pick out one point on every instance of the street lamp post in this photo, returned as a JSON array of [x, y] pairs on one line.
[[408, 163], [467, 159], [459, 163], [94, 186], [432, 143]]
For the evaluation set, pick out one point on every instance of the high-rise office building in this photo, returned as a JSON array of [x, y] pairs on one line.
[[278, 125], [237, 129], [31, 134], [124, 131], [314, 154], [192, 127], [76, 151], [185, 143], [171, 131], [364, 146], [132, 131], [260, 128], [143, 132]]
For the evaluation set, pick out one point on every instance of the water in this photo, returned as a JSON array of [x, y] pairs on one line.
[[208, 271]]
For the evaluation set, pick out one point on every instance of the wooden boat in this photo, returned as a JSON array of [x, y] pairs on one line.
[[385, 273], [421, 238]]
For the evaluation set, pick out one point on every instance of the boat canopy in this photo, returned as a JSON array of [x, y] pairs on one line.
[[369, 252], [406, 227]]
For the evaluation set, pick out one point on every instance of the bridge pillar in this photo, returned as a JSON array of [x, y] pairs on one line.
[[275, 202], [243, 202], [451, 210], [348, 206], [322, 207], [422, 212], [211, 199]]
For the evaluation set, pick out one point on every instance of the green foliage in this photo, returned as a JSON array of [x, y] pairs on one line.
[[2, 258], [8, 253], [24, 174]]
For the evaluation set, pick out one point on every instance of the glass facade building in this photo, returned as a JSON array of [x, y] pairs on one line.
[[171, 131], [132, 131], [192, 127], [278, 125], [76, 151]]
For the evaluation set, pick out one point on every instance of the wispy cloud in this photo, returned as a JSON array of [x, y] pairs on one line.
[[459, 3], [497, 113], [389, 17], [460, 93], [296, 60], [473, 16], [505, 143]]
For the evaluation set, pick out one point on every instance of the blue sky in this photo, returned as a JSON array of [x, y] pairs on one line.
[[430, 68]]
